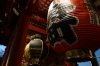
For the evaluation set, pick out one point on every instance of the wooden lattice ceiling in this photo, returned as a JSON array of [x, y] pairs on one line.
[[42, 8]]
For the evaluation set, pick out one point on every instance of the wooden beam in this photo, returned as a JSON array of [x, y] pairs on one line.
[[37, 29], [38, 18]]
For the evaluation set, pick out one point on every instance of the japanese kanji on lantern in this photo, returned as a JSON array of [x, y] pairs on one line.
[[73, 28]]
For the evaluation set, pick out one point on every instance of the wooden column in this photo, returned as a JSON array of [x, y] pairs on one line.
[[18, 44], [7, 50], [16, 50]]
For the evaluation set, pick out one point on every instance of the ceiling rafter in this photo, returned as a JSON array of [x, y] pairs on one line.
[[38, 18], [42, 8], [34, 28]]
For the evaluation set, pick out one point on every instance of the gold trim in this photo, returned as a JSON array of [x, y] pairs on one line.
[[35, 61], [78, 55], [27, 52]]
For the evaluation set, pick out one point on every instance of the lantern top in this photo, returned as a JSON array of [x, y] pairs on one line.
[[35, 36]]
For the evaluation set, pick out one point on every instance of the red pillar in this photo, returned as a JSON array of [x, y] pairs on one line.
[[7, 50], [14, 54], [18, 44]]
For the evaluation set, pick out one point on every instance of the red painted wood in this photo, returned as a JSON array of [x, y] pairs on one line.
[[37, 29], [38, 18], [7, 50], [18, 43]]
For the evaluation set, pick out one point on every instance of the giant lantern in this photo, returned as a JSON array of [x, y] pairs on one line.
[[73, 29]]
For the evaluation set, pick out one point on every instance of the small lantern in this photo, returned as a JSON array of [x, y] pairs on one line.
[[73, 28], [35, 50]]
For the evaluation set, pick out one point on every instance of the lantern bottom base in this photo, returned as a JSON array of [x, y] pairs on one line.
[[78, 55]]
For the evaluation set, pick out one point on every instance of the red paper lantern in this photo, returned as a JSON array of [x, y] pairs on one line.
[[73, 24]]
